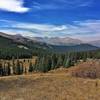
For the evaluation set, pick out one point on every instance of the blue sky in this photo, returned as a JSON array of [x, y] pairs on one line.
[[65, 18]]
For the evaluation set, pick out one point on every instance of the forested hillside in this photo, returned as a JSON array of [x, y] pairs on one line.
[[77, 48], [25, 48]]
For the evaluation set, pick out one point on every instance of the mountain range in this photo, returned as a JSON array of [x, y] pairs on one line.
[[45, 43], [95, 43], [63, 41], [19, 41], [66, 41]]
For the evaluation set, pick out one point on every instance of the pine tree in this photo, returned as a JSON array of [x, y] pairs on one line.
[[47, 64], [1, 70], [68, 60], [8, 69], [30, 67], [4, 69], [84, 57], [54, 61], [37, 63], [59, 61], [13, 65], [19, 68]]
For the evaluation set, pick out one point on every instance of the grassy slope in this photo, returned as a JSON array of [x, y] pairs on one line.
[[55, 85], [89, 69]]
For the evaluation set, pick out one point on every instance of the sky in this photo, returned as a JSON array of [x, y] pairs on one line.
[[51, 18]]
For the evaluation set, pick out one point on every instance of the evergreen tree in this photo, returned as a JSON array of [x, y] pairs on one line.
[[1, 70], [30, 67], [8, 69], [84, 57], [54, 61], [19, 68], [59, 61]]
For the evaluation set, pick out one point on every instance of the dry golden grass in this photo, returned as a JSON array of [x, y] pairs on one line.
[[89, 69], [49, 86], [54, 85]]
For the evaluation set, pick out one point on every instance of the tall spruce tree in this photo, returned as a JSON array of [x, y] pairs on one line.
[[30, 67], [19, 68], [8, 69], [1, 70]]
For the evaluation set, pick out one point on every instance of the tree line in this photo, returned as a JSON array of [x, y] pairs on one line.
[[46, 62]]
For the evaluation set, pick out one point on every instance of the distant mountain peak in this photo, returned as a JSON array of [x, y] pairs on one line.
[[95, 43], [18, 35], [58, 40]]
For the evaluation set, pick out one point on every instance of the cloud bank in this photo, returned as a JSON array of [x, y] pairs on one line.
[[86, 30], [13, 6]]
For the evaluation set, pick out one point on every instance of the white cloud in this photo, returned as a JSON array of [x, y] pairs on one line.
[[84, 30], [13, 6]]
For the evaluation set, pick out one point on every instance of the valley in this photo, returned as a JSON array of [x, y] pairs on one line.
[[34, 70], [49, 49]]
